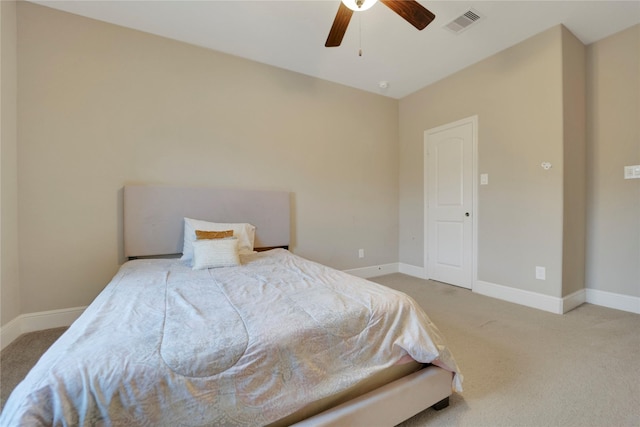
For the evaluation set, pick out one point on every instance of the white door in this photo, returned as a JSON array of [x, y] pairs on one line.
[[449, 202]]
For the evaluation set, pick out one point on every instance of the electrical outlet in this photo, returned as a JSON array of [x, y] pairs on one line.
[[541, 273], [360, 253]]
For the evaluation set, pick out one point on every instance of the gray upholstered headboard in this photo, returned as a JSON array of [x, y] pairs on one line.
[[154, 215]]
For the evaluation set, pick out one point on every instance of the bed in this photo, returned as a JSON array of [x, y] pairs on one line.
[[269, 339]]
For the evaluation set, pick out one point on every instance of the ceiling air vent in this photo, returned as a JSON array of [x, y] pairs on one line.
[[464, 21]]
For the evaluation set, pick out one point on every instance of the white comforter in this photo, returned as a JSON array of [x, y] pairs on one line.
[[248, 345]]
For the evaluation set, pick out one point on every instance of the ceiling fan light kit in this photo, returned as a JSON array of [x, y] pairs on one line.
[[410, 10], [359, 5]]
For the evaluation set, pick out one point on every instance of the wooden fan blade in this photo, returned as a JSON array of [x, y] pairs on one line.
[[412, 12], [339, 26]]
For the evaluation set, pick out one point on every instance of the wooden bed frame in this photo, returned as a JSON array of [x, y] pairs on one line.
[[153, 226]]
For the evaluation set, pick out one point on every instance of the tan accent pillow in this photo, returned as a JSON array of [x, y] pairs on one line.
[[208, 235]]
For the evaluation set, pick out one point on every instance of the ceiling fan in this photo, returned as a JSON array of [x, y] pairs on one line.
[[410, 10]]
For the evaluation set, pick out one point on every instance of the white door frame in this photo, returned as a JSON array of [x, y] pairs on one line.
[[473, 120]]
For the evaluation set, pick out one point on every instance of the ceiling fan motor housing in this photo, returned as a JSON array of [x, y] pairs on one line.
[[410, 10]]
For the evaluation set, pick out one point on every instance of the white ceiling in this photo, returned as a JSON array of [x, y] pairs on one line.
[[290, 34]]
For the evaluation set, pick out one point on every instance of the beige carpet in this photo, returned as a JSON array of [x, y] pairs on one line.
[[525, 367], [18, 357], [522, 367]]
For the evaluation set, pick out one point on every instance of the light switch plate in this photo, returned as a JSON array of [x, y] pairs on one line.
[[632, 172], [484, 178]]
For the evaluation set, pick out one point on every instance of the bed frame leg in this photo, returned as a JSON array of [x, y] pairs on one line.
[[442, 404]]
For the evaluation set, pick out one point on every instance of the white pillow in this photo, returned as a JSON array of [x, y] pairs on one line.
[[245, 233], [215, 253]]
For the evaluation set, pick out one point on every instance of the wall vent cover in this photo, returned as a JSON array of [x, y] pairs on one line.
[[464, 21]]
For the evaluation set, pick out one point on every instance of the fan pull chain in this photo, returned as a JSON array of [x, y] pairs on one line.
[[359, 35]]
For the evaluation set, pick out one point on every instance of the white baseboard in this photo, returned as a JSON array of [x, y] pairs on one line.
[[559, 305], [36, 322], [612, 300], [10, 332], [573, 300], [412, 270], [374, 271], [520, 296], [540, 301], [381, 270]]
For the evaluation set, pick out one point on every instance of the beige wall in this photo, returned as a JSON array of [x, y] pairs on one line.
[[9, 279], [102, 106], [517, 95], [546, 99], [574, 159], [613, 214]]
